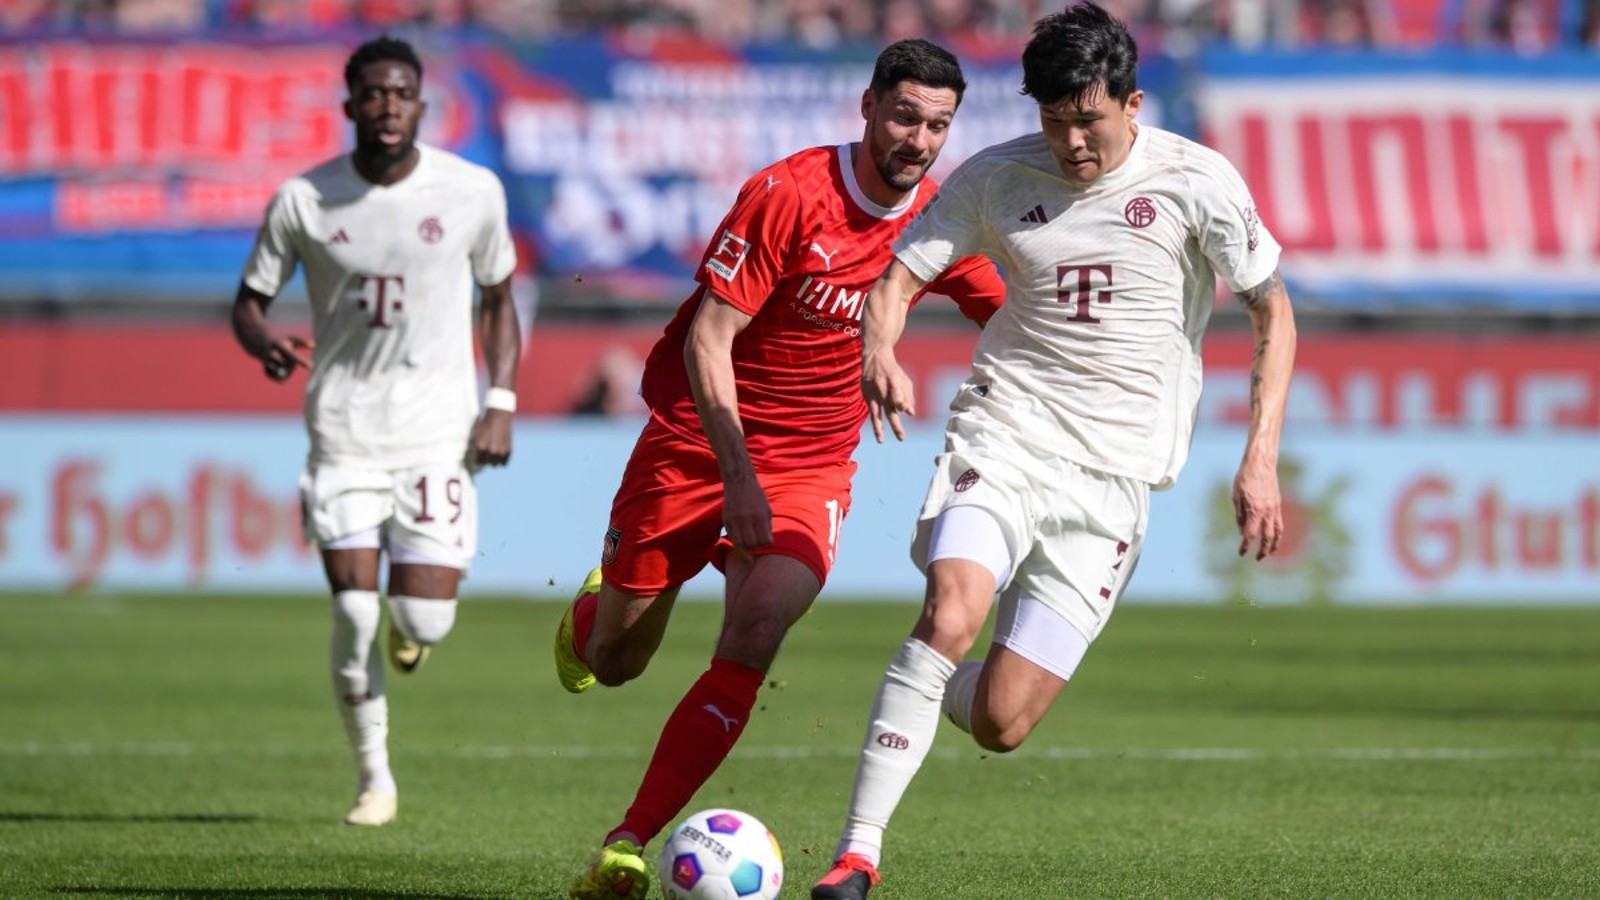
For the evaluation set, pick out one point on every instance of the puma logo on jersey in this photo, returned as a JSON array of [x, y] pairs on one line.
[[727, 721], [1035, 216], [827, 258], [339, 237]]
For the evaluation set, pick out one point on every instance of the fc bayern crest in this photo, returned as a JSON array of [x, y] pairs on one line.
[[967, 480], [608, 551], [1140, 212], [430, 230]]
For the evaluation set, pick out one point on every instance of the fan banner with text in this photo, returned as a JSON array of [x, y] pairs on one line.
[[1420, 180]]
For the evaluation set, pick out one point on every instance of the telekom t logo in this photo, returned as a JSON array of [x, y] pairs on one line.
[[1081, 288], [383, 295]]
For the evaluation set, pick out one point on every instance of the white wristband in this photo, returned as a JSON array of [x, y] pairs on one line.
[[503, 399]]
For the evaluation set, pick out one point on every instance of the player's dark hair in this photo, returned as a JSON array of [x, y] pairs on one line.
[[1073, 51], [924, 62], [381, 49]]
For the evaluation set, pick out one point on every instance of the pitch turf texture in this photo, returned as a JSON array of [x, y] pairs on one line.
[[187, 747]]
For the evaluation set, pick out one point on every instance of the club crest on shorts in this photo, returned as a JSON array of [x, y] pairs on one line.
[[967, 480], [608, 550]]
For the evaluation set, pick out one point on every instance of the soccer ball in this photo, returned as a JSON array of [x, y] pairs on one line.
[[720, 854]]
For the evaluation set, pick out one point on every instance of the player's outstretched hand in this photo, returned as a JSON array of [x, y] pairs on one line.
[[491, 439], [1258, 508], [284, 354], [888, 392]]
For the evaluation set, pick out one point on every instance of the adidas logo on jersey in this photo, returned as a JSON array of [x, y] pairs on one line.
[[339, 237], [1035, 216]]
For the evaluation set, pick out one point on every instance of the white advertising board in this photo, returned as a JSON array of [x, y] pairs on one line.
[[207, 503]]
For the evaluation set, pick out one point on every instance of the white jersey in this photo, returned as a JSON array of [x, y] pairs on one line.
[[1095, 355], [390, 273]]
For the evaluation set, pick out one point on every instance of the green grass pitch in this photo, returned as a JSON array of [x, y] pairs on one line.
[[188, 747]]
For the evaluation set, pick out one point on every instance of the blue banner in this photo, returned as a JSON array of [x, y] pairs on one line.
[[139, 170]]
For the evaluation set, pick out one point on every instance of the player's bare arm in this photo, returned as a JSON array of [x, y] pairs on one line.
[[708, 354], [278, 356], [1257, 504], [500, 339], [886, 387]]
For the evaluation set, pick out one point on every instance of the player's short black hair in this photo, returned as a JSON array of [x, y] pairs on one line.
[[924, 62], [1074, 50], [381, 49]]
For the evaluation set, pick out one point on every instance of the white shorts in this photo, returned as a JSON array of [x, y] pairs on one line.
[[1073, 537], [424, 514], [1026, 625]]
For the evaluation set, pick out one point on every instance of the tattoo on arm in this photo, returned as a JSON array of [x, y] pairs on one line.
[[1254, 297], [1255, 373]]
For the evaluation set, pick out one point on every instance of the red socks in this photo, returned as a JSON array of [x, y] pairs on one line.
[[583, 613], [693, 743]]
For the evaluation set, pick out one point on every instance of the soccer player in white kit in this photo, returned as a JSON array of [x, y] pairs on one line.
[[1082, 398], [392, 237]]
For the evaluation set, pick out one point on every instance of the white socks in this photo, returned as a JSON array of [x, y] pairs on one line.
[[424, 621], [358, 685], [958, 694], [905, 718]]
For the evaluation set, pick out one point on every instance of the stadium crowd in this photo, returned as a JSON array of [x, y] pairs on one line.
[[1526, 26]]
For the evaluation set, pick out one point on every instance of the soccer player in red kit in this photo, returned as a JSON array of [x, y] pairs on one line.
[[756, 408]]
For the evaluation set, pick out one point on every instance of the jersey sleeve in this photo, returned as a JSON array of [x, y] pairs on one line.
[[950, 226], [273, 258], [494, 256], [975, 286], [752, 246], [1232, 235]]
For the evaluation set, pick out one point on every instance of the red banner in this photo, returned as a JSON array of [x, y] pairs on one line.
[[1341, 381], [1398, 183]]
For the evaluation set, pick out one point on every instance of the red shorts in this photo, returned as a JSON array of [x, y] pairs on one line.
[[666, 520]]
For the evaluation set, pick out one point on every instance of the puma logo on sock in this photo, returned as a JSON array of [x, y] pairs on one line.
[[727, 721]]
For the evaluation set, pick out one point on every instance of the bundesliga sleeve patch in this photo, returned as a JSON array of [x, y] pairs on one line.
[[729, 255]]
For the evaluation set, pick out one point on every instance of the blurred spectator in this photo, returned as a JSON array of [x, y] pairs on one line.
[[1526, 26], [514, 18], [1177, 26], [614, 387], [1425, 23], [280, 14], [161, 16], [25, 15], [1337, 23]]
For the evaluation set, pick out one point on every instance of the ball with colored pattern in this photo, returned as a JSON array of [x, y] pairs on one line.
[[720, 854]]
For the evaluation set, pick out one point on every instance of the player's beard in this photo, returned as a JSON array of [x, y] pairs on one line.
[[373, 147], [385, 157], [893, 170], [899, 178]]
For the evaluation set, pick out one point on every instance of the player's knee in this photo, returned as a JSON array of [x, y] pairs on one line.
[[946, 627], [754, 643], [357, 609], [423, 620]]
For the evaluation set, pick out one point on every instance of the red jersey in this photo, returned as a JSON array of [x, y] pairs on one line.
[[799, 251]]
